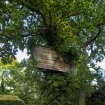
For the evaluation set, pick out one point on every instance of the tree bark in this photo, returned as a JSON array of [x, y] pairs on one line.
[[82, 97]]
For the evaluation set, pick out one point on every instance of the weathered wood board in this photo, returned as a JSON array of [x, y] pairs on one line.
[[48, 58], [10, 100]]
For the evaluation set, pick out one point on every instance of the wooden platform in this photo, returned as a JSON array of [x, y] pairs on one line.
[[49, 59], [10, 100]]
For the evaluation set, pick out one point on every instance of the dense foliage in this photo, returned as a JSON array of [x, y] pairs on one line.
[[10, 103], [73, 28]]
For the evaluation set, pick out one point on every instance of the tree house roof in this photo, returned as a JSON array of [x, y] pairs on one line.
[[47, 58]]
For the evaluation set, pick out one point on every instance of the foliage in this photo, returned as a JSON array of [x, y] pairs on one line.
[[68, 26], [98, 95], [74, 28]]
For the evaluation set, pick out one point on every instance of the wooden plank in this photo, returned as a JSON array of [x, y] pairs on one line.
[[10, 99], [48, 58]]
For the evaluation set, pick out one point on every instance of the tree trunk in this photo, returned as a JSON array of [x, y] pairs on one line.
[[82, 97]]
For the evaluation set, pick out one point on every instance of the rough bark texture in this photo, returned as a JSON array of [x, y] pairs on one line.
[[82, 97]]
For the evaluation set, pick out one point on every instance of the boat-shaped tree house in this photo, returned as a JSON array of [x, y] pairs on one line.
[[47, 58]]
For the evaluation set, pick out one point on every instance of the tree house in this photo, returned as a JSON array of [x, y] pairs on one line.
[[48, 59], [10, 100]]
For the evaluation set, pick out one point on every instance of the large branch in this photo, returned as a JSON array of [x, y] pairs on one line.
[[92, 39], [40, 31]]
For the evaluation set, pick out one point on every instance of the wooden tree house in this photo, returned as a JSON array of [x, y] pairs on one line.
[[48, 59]]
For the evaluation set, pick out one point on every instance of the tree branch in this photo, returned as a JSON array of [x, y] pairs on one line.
[[92, 39], [34, 10], [40, 31]]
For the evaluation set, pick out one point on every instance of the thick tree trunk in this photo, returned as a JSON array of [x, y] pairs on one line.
[[82, 97]]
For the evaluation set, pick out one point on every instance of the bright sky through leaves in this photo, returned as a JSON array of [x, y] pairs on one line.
[[21, 55]]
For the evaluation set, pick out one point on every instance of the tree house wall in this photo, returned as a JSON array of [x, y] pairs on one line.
[[48, 58]]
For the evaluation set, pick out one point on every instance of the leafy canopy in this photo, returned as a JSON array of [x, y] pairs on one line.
[[72, 27]]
